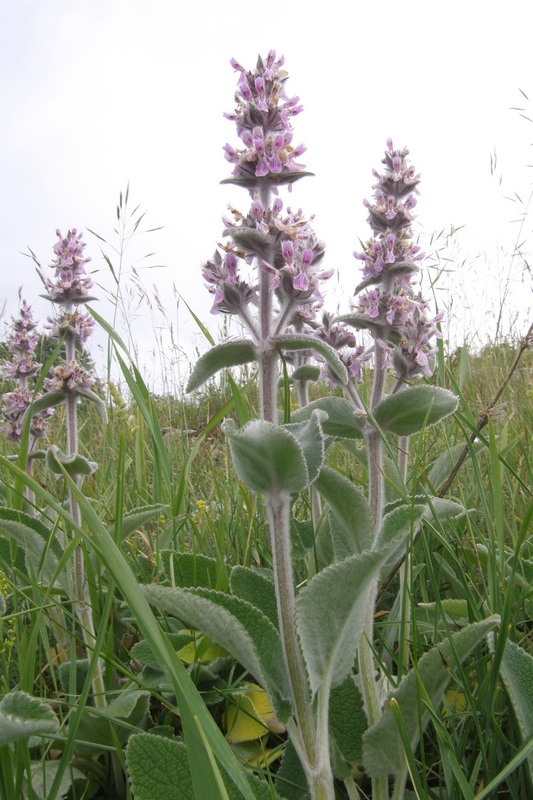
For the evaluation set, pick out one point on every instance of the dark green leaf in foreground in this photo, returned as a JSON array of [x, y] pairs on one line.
[[257, 589], [347, 723], [22, 715], [229, 354], [239, 627], [383, 751], [158, 768], [413, 409], [189, 570], [517, 673]]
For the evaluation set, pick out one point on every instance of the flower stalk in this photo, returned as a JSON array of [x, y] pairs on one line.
[[70, 381]]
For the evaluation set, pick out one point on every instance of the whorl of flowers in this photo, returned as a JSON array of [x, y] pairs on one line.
[[392, 253], [22, 366], [22, 343], [397, 317], [263, 118], [287, 247], [71, 284], [69, 378]]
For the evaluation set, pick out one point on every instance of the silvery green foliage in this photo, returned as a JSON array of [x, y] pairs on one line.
[[302, 645]]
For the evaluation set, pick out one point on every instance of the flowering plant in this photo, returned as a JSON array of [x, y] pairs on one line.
[[269, 275]]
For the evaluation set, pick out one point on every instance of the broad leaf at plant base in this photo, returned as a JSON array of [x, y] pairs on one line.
[[240, 628], [257, 589], [383, 752], [331, 614], [517, 674], [22, 715]]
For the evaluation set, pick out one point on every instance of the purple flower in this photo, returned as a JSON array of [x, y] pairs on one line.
[[262, 118], [69, 378], [22, 366], [342, 339], [71, 284], [79, 325], [232, 294], [391, 253]]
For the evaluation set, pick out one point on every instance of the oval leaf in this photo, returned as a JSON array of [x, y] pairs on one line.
[[22, 715], [413, 409], [229, 354], [267, 457], [343, 421]]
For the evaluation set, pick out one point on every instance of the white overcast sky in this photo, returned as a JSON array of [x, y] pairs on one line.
[[96, 94]]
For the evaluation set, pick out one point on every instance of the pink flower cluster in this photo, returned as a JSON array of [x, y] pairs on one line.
[[71, 284], [286, 246], [397, 317], [263, 119], [21, 368]]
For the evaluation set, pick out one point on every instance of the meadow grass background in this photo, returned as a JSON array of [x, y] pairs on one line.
[[168, 449]]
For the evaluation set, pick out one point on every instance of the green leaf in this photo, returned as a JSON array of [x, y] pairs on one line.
[[301, 341], [42, 551], [22, 715], [136, 518], [291, 783], [239, 627], [267, 457], [257, 589], [343, 421], [517, 674], [311, 439], [97, 401], [360, 321], [399, 524], [189, 570], [48, 400], [228, 354], [43, 774], [352, 531], [413, 409], [307, 372], [383, 752], [115, 721], [141, 651], [158, 768], [252, 241], [347, 722], [58, 462], [331, 613]]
